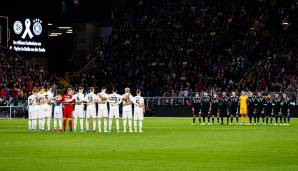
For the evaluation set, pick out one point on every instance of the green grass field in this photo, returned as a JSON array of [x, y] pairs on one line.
[[166, 144]]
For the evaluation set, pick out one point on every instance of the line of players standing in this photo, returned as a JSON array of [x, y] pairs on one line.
[[259, 107], [95, 107]]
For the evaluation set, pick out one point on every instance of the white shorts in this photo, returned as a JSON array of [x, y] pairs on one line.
[[79, 111], [114, 112], [127, 114], [58, 114], [138, 115], [39, 111], [102, 111], [47, 110], [32, 113], [91, 111]]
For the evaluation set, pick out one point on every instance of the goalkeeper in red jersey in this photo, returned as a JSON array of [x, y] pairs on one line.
[[68, 103]]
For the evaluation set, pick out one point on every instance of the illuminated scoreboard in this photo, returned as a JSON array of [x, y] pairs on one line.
[[27, 35]]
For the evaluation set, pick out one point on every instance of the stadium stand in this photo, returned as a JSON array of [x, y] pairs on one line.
[[171, 48]]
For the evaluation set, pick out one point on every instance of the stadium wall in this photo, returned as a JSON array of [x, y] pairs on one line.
[[185, 111]]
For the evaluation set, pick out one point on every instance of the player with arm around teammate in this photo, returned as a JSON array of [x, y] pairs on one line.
[[58, 112], [79, 110], [114, 100], [206, 106], [127, 109], [91, 99], [139, 110], [32, 111], [103, 109], [47, 107]]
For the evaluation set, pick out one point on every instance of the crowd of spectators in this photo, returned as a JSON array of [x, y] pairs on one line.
[[18, 78], [173, 47]]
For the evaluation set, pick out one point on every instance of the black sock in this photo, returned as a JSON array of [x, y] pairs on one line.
[[218, 120], [237, 119], [222, 120], [250, 119], [280, 120], [208, 119], [228, 120], [204, 119], [212, 120], [255, 119], [276, 119], [200, 120], [285, 121], [288, 120], [231, 119], [193, 120], [267, 120]]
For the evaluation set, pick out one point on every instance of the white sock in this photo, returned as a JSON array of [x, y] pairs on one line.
[[82, 124], [43, 123], [87, 124], [124, 125], [110, 124], [34, 123], [55, 123], [94, 124], [135, 125], [140, 125], [105, 124], [60, 124], [75, 123], [29, 124], [117, 125], [130, 124], [49, 123], [99, 125], [39, 123]]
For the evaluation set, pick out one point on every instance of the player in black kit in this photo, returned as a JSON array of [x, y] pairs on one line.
[[251, 108], [285, 110], [276, 108], [196, 107], [259, 107], [206, 106], [233, 107], [268, 109], [214, 108], [224, 100]]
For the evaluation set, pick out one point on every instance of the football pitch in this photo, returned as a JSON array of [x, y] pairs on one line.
[[166, 144]]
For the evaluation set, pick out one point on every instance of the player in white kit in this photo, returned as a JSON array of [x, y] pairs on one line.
[[79, 109], [102, 109], [47, 107], [91, 99], [32, 111], [39, 110], [58, 112], [127, 109], [114, 100], [139, 107]]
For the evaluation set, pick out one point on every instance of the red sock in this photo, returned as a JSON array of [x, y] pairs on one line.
[[70, 123], [64, 123]]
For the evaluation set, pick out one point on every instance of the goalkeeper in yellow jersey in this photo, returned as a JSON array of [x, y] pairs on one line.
[[243, 107]]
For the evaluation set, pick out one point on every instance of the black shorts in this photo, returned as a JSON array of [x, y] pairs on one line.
[[196, 112]]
